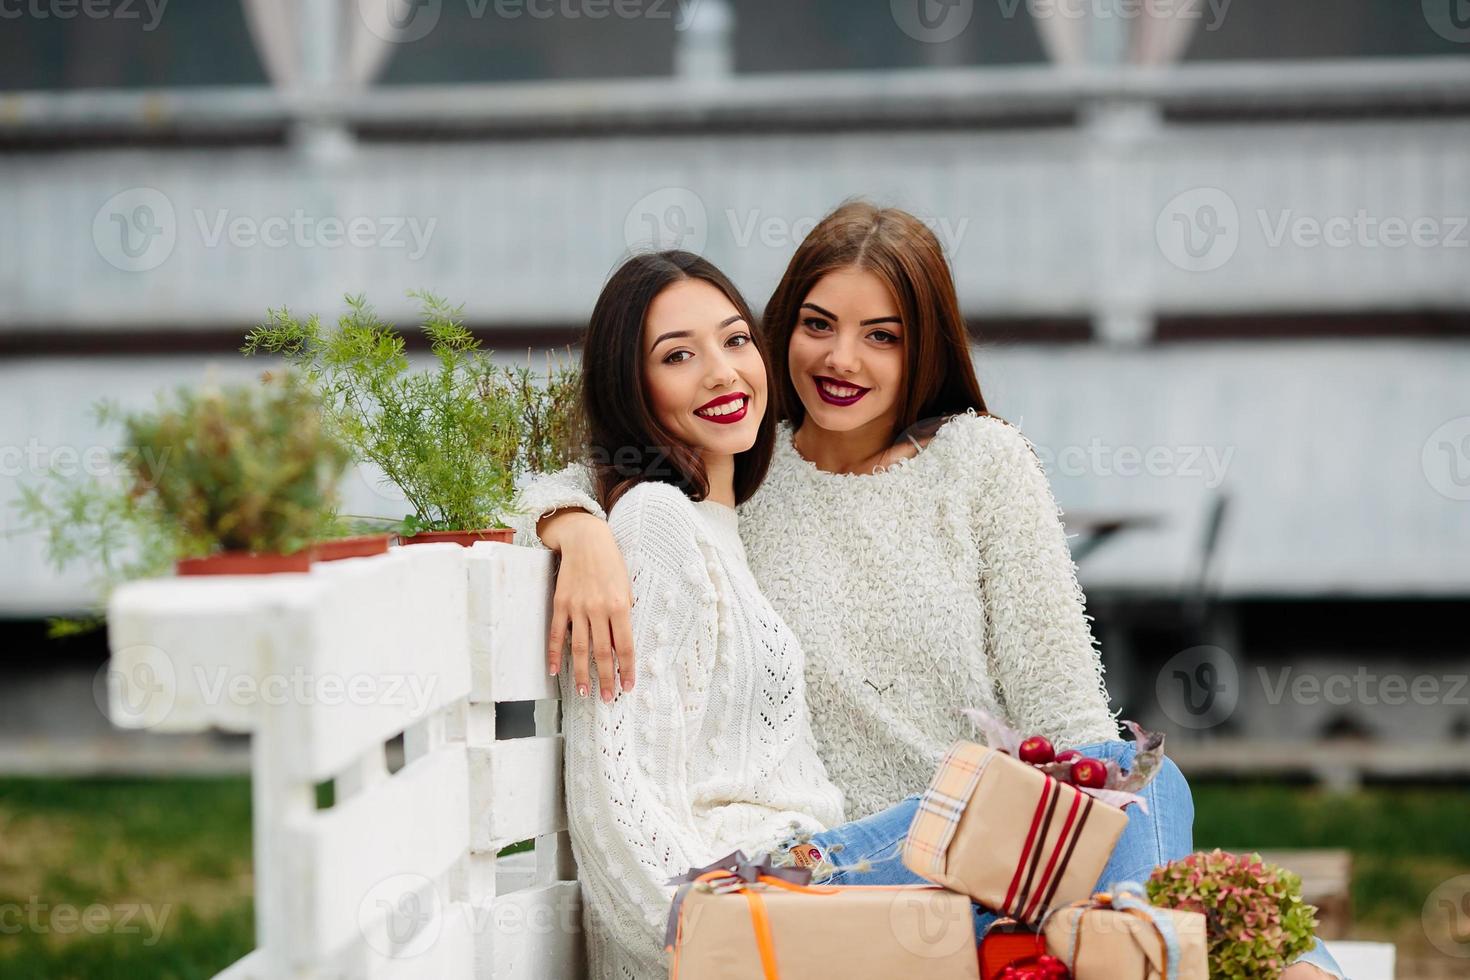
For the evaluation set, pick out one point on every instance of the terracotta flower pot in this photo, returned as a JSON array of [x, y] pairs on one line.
[[360, 546], [245, 563], [466, 538]]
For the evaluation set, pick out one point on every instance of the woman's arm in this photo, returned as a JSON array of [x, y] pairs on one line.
[[629, 783], [592, 601], [1038, 638]]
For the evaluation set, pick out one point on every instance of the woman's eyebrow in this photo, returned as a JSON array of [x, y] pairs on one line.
[[826, 313], [881, 319], [670, 335], [737, 318]]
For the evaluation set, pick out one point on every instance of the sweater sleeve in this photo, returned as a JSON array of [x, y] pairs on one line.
[[540, 494], [630, 797], [1038, 638]]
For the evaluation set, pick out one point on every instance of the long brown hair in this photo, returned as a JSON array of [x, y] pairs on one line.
[[626, 443], [939, 378]]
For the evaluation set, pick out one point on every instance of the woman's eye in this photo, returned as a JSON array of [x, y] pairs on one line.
[[815, 323], [678, 357], [883, 337], [739, 340]]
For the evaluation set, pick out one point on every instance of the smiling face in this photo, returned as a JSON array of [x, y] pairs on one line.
[[846, 355], [705, 378]]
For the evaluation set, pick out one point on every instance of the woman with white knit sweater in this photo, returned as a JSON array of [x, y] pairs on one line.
[[713, 751], [909, 538]]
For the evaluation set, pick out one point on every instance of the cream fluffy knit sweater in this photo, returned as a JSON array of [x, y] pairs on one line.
[[711, 751], [940, 583]]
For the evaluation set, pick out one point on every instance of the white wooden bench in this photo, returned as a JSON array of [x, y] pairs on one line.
[[400, 876]]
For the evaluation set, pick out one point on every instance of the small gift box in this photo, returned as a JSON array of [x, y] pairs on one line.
[[1008, 943], [1119, 934], [1010, 835], [738, 920]]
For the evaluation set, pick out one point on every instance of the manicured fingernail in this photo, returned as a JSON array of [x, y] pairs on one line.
[[607, 695], [627, 683], [581, 690], [555, 670]]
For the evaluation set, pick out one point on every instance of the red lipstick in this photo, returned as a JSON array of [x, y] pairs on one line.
[[732, 417]]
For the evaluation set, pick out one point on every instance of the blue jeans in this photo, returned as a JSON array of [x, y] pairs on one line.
[[1164, 834]]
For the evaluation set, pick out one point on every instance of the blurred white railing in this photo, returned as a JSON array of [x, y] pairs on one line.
[[1058, 194], [399, 877]]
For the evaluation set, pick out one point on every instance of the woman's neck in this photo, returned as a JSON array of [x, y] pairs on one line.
[[853, 451], [720, 471]]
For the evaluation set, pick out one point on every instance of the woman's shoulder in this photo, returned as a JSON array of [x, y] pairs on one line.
[[976, 439], [652, 501]]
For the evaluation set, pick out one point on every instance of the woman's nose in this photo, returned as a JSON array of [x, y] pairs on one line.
[[841, 357]]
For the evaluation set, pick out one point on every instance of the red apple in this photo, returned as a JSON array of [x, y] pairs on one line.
[[1089, 773], [1037, 751], [1067, 755]]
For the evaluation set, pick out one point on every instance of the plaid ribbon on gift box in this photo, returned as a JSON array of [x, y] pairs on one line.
[[943, 803]]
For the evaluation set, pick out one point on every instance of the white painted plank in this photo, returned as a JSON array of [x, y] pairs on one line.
[[444, 949], [516, 791], [178, 644], [1364, 961], [535, 933], [354, 866], [384, 648], [510, 611]]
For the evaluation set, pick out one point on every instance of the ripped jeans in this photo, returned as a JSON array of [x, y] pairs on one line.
[[1164, 834]]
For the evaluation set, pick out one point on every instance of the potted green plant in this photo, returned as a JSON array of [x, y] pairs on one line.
[[452, 438], [247, 474], [1255, 918], [238, 480]]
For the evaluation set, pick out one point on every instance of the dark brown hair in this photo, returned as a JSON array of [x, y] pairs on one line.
[[939, 378], [626, 443]]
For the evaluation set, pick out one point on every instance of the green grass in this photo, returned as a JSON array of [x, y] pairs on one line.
[[164, 864], [181, 847], [1405, 841]]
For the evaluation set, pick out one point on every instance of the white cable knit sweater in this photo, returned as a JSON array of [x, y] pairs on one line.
[[940, 583], [711, 751]]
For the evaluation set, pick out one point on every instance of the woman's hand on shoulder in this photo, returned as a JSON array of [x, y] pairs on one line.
[[593, 603]]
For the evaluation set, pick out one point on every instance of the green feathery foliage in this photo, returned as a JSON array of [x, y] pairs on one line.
[[453, 439]]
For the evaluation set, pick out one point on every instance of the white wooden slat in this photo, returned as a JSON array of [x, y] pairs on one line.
[[535, 933], [251, 966], [349, 866], [516, 791], [178, 645], [446, 951], [1364, 961], [384, 648], [510, 611]]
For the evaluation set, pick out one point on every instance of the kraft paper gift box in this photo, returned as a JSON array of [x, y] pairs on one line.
[[1121, 935], [1008, 835], [757, 922]]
